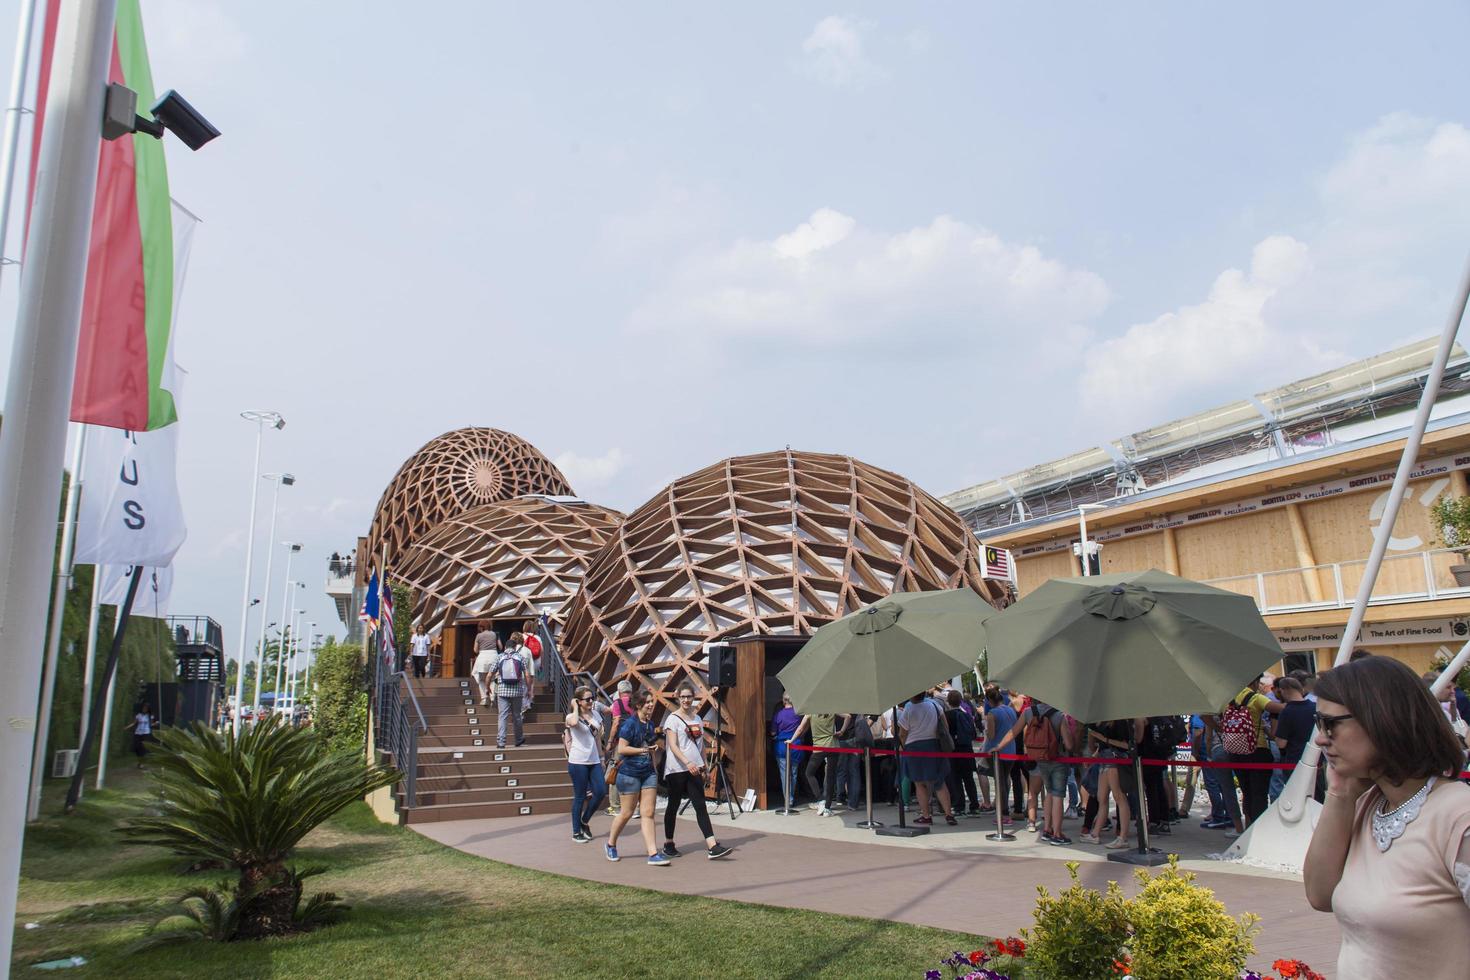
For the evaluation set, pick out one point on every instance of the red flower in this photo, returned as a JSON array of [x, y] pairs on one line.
[[1000, 946], [1015, 947], [977, 957]]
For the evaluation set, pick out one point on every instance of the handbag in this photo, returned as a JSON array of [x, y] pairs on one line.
[[946, 740]]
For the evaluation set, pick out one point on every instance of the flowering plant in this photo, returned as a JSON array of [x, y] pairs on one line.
[[999, 960], [1289, 970]]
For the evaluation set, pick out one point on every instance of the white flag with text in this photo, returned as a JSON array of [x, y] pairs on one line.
[[130, 512], [153, 590]]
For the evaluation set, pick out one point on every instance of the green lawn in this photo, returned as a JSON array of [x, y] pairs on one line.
[[421, 909]]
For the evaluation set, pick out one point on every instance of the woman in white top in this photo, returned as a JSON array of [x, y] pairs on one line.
[[484, 661], [684, 772], [142, 727], [919, 723], [584, 762]]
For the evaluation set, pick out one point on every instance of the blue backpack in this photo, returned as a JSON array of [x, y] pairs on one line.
[[964, 726]]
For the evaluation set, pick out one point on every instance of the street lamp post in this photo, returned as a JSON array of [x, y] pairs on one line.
[[280, 480], [291, 549], [261, 420], [310, 652], [288, 633]]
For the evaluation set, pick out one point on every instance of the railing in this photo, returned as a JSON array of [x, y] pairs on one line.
[[562, 681], [1411, 577], [397, 725]]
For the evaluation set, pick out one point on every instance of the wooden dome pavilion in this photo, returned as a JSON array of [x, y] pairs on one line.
[[505, 562], [777, 543], [451, 474]]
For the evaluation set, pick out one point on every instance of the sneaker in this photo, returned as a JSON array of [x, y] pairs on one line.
[[1059, 840], [822, 811], [612, 852], [500, 745], [1092, 838], [659, 861], [1072, 813], [670, 850], [1117, 844], [974, 811], [1031, 826], [484, 700], [587, 830], [718, 851], [1232, 833], [581, 837], [949, 819], [1214, 824], [518, 744], [1045, 837], [1007, 822], [923, 822]]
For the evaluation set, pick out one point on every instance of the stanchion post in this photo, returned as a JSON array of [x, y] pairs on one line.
[[788, 809], [869, 823], [1001, 791]]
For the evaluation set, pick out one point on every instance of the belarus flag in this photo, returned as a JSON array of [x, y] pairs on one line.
[[123, 359]]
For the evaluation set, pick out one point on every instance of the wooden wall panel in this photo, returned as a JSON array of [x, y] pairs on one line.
[[1416, 655], [1033, 571], [1340, 528], [1137, 554], [1240, 545]]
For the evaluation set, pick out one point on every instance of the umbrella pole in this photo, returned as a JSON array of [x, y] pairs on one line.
[[903, 829], [869, 823], [1145, 855], [1000, 795]]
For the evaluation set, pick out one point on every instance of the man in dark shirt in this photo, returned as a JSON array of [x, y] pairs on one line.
[[1293, 727]]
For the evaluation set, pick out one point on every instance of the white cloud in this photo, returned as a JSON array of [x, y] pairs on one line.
[[833, 54], [584, 472], [832, 280], [1199, 355]]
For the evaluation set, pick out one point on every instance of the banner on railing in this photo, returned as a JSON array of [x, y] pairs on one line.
[[1376, 634]]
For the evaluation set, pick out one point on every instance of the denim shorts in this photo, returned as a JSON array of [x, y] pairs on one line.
[[634, 784], [1054, 776]]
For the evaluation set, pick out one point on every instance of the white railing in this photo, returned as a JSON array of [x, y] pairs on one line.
[[1414, 576]]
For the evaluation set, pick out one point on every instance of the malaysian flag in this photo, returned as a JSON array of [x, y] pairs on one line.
[[998, 564], [385, 621], [369, 612]]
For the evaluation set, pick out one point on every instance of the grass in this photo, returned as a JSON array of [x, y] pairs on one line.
[[421, 909]]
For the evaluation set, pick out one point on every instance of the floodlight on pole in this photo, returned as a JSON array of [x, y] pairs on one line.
[[1086, 549], [261, 419]]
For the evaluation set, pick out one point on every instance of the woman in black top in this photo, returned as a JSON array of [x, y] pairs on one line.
[[1111, 740]]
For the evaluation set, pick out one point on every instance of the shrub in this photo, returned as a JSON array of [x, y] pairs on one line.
[[1182, 932], [247, 802], [339, 695], [1079, 933]]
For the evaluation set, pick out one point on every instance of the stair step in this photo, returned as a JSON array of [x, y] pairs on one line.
[[475, 770], [479, 811], [484, 740], [513, 794], [525, 755], [512, 780]]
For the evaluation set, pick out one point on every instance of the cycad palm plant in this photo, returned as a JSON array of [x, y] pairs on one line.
[[247, 801]]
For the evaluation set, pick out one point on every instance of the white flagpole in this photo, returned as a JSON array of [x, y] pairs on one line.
[[59, 592], [20, 69], [106, 725], [265, 593], [285, 606], [43, 359]]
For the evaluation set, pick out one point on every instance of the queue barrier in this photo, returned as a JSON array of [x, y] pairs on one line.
[[1067, 760]]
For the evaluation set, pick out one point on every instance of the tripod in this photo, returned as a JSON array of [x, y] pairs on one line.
[[722, 785]]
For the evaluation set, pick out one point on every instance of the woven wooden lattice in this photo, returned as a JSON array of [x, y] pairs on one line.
[[449, 475], [516, 559], [780, 542]]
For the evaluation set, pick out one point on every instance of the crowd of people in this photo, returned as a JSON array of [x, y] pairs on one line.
[[1269, 723]]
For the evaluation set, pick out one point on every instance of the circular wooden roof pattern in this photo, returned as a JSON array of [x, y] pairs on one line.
[[779, 542], [451, 474], [515, 559]]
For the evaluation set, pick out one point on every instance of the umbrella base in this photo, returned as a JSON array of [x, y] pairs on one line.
[[901, 831], [1002, 835], [1151, 858], [867, 824], [787, 811]]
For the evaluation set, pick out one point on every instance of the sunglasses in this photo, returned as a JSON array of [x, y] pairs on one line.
[[585, 700], [1327, 723]]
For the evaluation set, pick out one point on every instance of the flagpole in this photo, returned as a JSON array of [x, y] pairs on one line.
[[87, 669], [285, 605], [249, 561], [265, 593], [59, 592], [19, 72], [108, 698], [124, 613], [42, 362]]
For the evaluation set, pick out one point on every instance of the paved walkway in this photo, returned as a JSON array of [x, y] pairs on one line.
[[937, 880]]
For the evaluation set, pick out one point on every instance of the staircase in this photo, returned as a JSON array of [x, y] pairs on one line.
[[463, 776]]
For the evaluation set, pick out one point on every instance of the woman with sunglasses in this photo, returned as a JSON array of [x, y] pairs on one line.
[[637, 782], [584, 762], [1391, 853], [684, 773]]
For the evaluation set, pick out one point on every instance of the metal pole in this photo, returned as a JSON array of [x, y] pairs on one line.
[[106, 728], [87, 669], [310, 649], [20, 68], [1082, 523], [788, 809], [285, 605], [265, 593], [245, 591], [868, 785], [42, 361], [59, 592], [1001, 792]]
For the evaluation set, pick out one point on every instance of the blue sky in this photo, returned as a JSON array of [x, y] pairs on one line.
[[950, 240]]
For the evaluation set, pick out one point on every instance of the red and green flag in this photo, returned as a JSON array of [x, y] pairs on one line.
[[124, 360]]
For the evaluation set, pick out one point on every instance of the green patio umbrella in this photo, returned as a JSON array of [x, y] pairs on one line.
[[1130, 645], [884, 654], [874, 659], [1126, 646]]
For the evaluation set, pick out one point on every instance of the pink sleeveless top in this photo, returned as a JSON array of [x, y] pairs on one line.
[[1401, 911]]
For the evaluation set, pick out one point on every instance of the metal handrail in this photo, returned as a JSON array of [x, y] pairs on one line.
[[423, 725]]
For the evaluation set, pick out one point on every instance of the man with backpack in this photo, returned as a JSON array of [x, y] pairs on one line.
[[1047, 736], [1243, 730], [962, 771], [511, 671], [1162, 735]]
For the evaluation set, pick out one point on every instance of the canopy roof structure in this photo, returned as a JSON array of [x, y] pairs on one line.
[[449, 475], [781, 542], [511, 560]]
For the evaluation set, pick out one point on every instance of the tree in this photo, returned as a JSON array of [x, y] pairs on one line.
[[339, 696], [246, 802]]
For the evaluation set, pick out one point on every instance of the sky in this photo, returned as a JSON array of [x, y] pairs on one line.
[[949, 240]]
